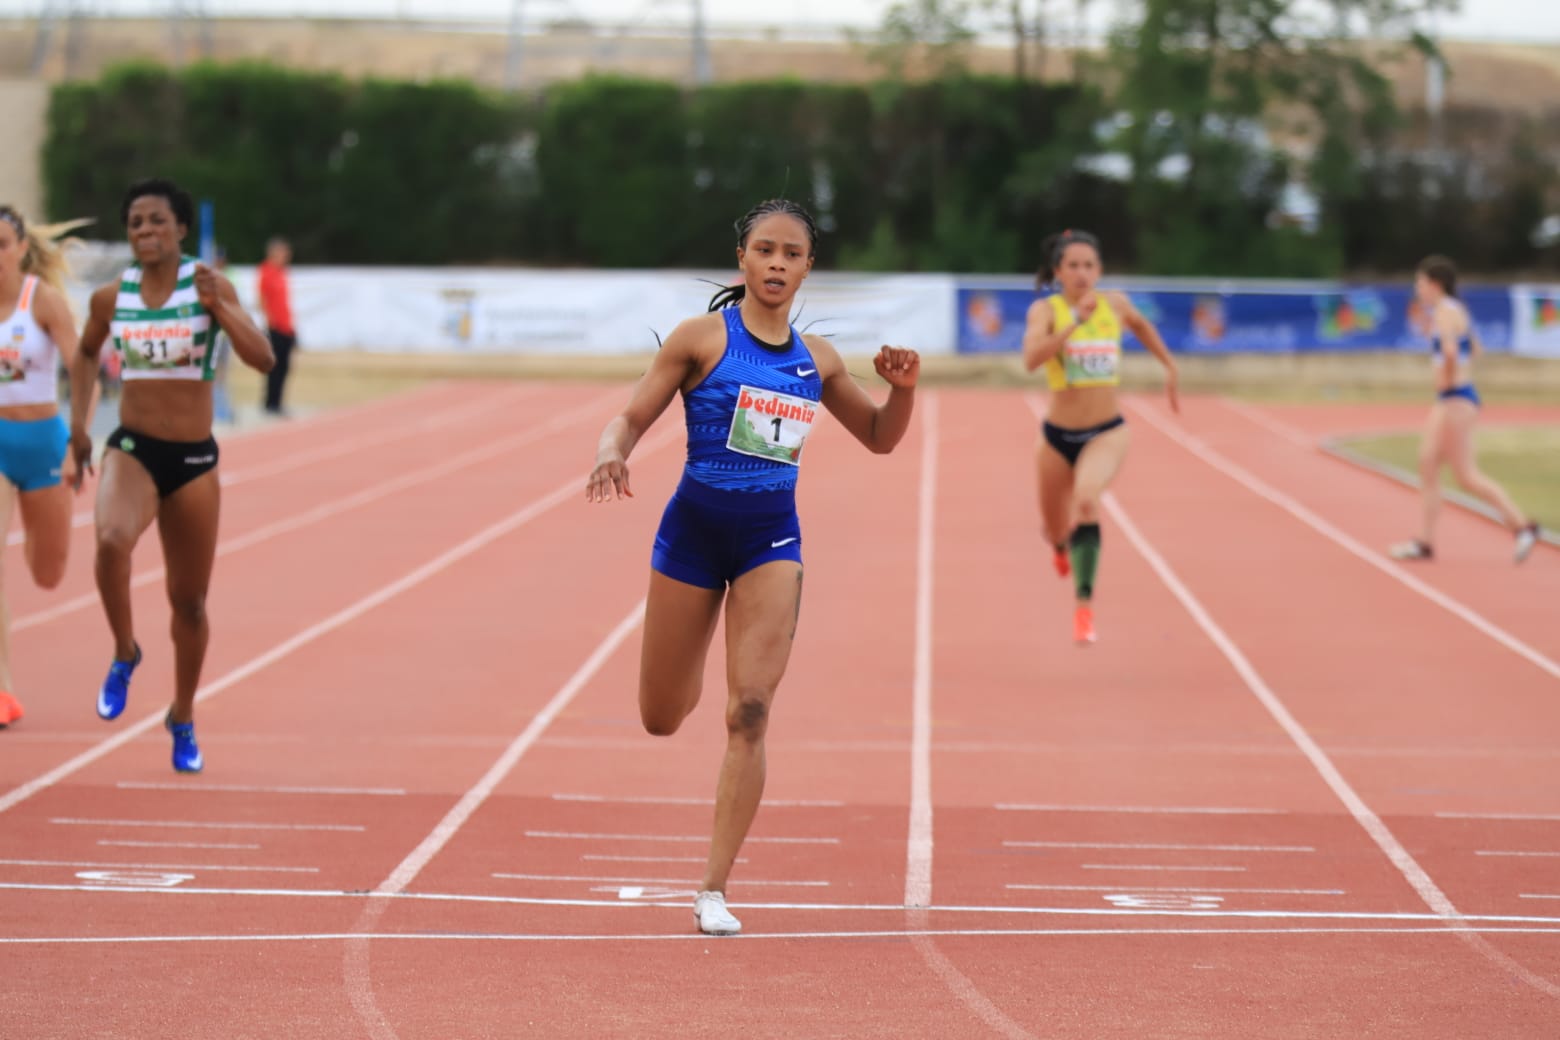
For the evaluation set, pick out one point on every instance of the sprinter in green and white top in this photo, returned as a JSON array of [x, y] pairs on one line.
[[161, 463], [168, 342]]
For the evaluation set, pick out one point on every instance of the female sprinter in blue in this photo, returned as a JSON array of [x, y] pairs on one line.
[[1448, 436], [37, 334], [1075, 333], [161, 463], [750, 385]]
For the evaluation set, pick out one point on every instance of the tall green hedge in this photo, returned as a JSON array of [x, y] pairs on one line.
[[957, 174]]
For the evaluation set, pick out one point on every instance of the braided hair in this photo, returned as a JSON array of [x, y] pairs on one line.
[[731, 295], [1051, 250]]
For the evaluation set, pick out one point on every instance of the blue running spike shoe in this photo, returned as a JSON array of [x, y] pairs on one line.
[[116, 688], [186, 753]]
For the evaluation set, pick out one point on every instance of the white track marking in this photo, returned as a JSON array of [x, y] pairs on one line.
[[1514, 852], [1372, 824], [778, 803], [1182, 889], [109, 843], [1195, 869], [1542, 817], [298, 459], [1167, 810], [918, 852], [157, 785], [1538, 895], [70, 821], [666, 937], [335, 507], [692, 886], [883, 908], [1348, 542], [155, 866], [356, 968], [409, 868], [1146, 846], [698, 838], [340, 619], [650, 859], [1292, 434]]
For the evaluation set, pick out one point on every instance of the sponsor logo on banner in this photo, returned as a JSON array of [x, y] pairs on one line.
[[1344, 315]]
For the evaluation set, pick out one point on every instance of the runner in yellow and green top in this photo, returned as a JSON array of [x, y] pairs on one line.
[[1075, 334], [161, 316]]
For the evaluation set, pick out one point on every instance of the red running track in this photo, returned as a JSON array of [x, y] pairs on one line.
[[1297, 790]]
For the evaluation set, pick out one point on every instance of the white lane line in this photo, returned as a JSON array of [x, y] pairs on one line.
[[892, 909], [1372, 824], [158, 785], [778, 803], [1543, 817], [340, 619], [298, 459], [155, 866], [1367, 819], [440, 836], [335, 507], [1146, 846], [1515, 852], [357, 972], [1347, 542], [651, 859], [1194, 869], [691, 886], [686, 937], [71, 821], [1538, 895], [1294, 435], [918, 850], [1182, 889], [1167, 810], [590, 836], [106, 842]]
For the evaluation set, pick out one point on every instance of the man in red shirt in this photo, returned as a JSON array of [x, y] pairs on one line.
[[277, 305]]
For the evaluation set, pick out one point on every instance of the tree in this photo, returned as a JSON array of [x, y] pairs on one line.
[[1223, 97]]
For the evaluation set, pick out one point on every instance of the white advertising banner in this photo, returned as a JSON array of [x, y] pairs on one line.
[[480, 310], [1535, 313]]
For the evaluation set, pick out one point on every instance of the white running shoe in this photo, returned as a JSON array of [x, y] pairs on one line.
[[709, 909], [1526, 539], [1411, 550]]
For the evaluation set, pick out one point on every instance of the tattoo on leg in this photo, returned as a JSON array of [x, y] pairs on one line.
[[796, 619]]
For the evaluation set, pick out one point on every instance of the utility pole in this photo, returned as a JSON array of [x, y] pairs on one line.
[[514, 55], [703, 72]]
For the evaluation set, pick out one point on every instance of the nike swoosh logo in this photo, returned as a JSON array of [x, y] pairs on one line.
[[805, 371], [783, 541]]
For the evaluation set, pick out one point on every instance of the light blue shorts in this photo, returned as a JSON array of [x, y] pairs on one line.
[[32, 452]]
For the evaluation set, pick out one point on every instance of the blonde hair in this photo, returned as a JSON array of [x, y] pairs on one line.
[[45, 253]]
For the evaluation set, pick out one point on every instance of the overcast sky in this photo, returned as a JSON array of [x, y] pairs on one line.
[[1515, 20]]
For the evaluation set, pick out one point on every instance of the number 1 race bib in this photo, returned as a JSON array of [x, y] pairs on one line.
[[770, 425]]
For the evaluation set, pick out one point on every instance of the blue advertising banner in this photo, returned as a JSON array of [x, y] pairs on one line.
[[1224, 321]]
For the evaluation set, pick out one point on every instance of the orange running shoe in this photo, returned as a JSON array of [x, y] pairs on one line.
[[1083, 624], [10, 709], [1061, 561]]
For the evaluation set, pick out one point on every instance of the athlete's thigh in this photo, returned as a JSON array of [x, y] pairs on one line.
[[1056, 487], [1433, 441], [679, 624], [46, 517], [1100, 461], [1457, 434], [761, 618], [187, 525], [126, 499]]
